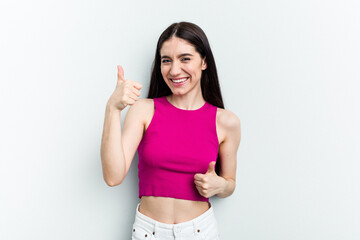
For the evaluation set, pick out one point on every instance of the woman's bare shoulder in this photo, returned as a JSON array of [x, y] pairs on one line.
[[144, 104], [143, 108], [227, 119]]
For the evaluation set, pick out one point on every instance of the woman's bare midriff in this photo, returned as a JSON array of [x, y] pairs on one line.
[[171, 210]]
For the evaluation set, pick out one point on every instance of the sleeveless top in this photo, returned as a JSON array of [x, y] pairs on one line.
[[177, 145]]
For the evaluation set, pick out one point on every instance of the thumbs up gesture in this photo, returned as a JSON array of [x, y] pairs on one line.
[[210, 183], [126, 91]]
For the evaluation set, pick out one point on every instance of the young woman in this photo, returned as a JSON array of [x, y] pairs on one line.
[[187, 142]]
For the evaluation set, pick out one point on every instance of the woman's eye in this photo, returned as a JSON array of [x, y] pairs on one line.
[[165, 61], [186, 59]]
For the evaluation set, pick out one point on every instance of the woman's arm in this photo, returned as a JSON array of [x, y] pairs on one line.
[[117, 150], [230, 124], [112, 153]]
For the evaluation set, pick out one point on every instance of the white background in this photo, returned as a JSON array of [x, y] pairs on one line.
[[288, 68]]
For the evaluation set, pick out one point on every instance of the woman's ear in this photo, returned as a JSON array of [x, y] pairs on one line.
[[203, 64]]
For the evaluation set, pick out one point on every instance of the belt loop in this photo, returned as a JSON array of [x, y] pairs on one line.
[[155, 232]]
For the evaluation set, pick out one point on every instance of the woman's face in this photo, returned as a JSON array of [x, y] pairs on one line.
[[181, 66]]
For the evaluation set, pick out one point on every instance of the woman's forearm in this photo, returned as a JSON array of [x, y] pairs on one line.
[[227, 188], [112, 153]]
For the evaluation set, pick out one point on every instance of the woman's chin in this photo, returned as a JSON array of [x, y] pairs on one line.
[[179, 91]]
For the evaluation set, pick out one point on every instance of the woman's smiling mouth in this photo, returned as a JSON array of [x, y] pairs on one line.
[[179, 81]]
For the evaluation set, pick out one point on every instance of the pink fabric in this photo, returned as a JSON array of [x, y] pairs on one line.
[[177, 144]]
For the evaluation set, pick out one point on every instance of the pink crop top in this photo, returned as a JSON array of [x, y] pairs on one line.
[[177, 144]]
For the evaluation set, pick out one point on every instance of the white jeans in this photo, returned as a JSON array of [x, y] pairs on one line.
[[203, 227]]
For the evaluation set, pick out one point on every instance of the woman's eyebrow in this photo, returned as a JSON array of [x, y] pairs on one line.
[[185, 54], [179, 56]]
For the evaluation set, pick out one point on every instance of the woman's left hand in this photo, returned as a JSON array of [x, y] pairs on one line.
[[209, 184]]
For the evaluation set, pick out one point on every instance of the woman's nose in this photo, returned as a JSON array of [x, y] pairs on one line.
[[175, 69]]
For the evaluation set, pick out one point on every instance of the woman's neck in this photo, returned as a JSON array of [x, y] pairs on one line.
[[187, 102]]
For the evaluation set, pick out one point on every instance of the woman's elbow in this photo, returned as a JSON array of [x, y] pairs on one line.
[[113, 182]]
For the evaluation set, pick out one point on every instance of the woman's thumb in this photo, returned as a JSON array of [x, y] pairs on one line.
[[211, 167], [120, 73]]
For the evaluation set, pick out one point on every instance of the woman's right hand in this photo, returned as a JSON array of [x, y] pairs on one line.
[[126, 92]]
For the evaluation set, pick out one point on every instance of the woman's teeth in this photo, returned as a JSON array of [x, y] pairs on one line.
[[179, 80]]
